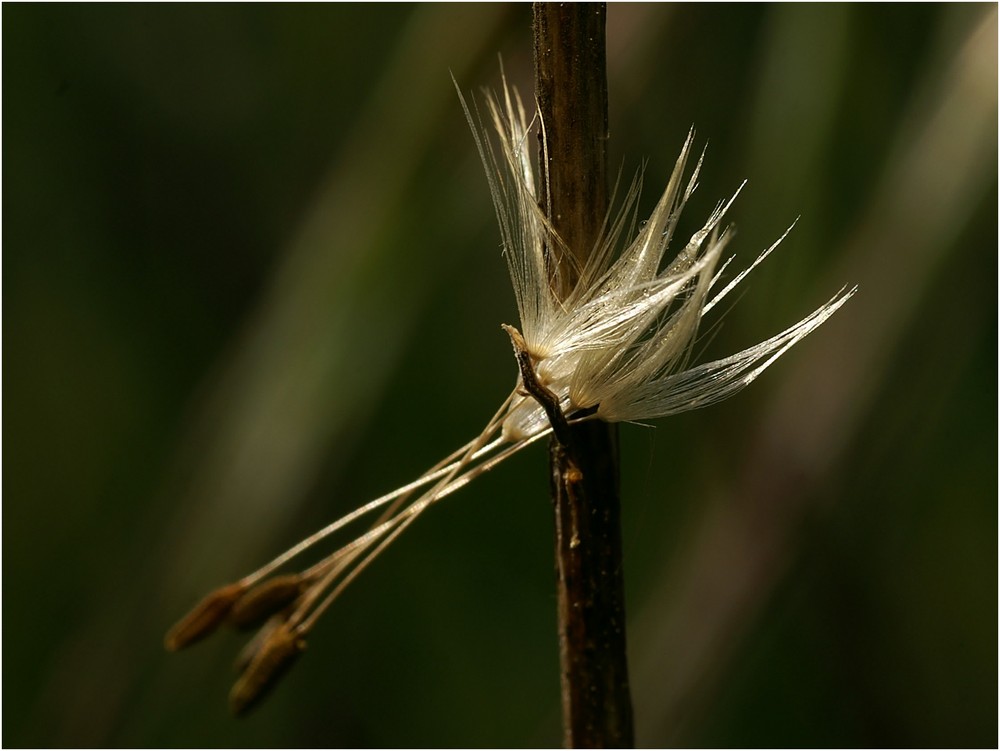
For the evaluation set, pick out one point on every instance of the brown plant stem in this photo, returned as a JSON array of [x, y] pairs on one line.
[[571, 86]]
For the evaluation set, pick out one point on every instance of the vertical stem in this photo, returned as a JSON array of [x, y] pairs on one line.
[[571, 86]]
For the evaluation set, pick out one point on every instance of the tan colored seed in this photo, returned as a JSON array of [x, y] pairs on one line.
[[246, 654], [204, 618], [271, 661], [264, 600]]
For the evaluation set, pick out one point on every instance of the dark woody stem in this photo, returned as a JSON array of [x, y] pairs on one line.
[[571, 87]]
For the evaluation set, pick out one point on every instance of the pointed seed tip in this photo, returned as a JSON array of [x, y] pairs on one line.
[[274, 658], [203, 618]]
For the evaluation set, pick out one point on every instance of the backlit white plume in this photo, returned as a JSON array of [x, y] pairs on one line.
[[619, 345]]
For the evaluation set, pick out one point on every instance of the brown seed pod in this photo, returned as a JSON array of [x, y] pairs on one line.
[[203, 618], [271, 661], [264, 600], [246, 654]]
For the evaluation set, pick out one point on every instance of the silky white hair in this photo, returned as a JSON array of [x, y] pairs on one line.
[[618, 346]]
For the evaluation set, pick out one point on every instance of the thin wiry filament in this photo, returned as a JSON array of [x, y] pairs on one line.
[[448, 485], [439, 470]]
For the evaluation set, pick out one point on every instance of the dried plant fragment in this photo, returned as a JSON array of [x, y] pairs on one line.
[[252, 647], [261, 602], [535, 388], [204, 617], [275, 656]]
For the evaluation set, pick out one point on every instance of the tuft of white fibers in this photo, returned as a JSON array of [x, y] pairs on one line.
[[617, 348]]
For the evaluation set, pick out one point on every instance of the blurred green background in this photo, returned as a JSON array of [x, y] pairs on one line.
[[251, 279]]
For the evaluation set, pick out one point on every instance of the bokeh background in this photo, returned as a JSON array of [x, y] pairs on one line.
[[251, 279]]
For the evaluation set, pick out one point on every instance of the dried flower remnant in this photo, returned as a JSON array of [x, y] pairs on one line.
[[264, 600], [617, 348], [203, 618], [273, 658]]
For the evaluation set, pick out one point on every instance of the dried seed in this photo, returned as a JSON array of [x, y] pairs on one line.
[[203, 619], [264, 600], [250, 649], [270, 662]]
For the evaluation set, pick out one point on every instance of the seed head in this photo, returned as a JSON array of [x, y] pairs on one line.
[[616, 348]]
